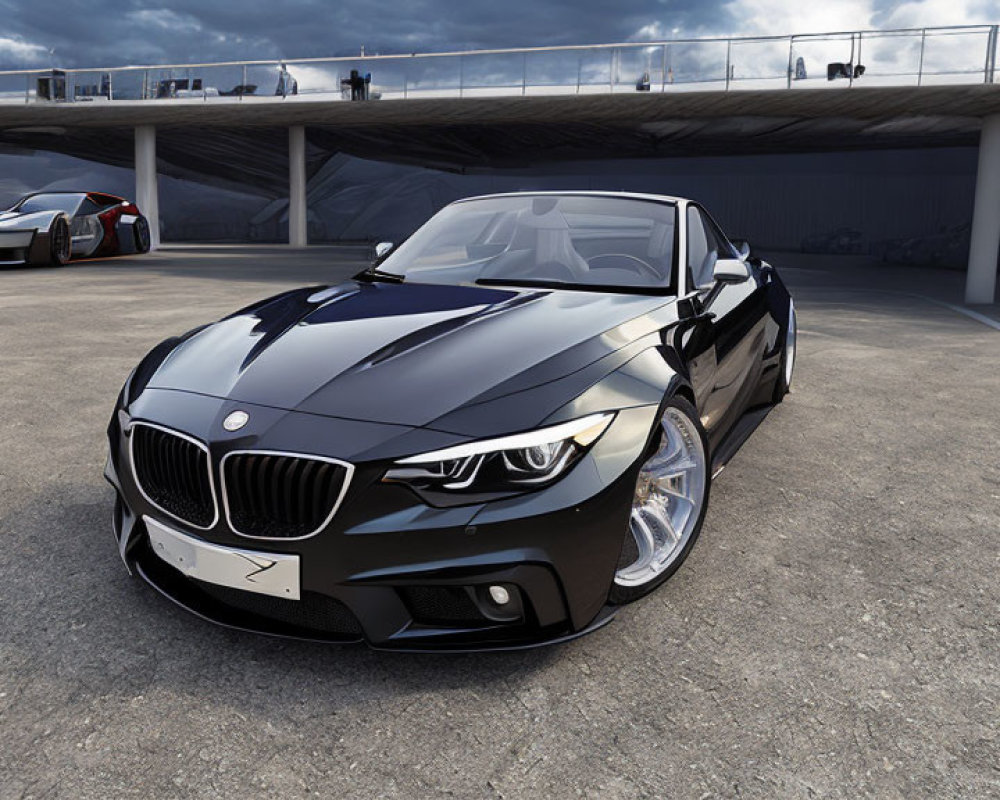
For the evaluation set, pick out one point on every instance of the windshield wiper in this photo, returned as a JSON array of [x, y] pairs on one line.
[[372, 275], [533, 283], [528, 282]]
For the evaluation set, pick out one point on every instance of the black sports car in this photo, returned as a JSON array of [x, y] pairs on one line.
[[50, 228], [493, 437]]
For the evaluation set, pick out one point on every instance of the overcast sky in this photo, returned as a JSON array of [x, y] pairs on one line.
[[88, 33]]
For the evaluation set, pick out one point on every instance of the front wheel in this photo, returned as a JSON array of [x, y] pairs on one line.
[[668, 508], [782, 384], [60, 242]]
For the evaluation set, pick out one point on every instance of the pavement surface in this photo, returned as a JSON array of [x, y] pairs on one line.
[[834, 633]]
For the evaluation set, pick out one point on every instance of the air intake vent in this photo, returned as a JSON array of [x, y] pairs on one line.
[[281, 496], [173, 473], [447, 605], [314, 612]]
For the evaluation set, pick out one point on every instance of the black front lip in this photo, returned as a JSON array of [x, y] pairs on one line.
[[367, 604], [412, 644]]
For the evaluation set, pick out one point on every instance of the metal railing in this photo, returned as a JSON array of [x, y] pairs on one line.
[[900, 57]]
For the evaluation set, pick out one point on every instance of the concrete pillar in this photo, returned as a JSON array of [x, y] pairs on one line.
[[297, 212], [980, 283], [147, 196]]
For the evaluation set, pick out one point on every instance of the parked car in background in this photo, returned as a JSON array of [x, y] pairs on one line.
[[50, 228], [949, 247]]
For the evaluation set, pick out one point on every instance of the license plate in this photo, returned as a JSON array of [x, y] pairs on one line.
[[275, 574]]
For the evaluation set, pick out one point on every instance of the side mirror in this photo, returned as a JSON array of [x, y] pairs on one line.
[[743, 248], [731, 270], [382, 249]]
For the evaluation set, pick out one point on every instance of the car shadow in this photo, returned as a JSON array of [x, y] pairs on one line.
[[73, 615]]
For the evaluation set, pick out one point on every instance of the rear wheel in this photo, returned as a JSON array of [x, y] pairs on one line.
[[787, 366], [668, 507], [60, 242], [141, 232]]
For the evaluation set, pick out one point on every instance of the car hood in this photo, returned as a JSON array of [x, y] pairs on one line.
[[402, 353], [37, 219]]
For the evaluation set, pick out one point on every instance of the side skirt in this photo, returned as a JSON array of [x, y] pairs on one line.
[[739, 433]]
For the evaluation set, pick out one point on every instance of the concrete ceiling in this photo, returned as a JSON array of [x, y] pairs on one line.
[[245, 143]]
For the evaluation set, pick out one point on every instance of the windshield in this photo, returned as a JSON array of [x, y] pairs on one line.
[[50, 202], [577, 240]]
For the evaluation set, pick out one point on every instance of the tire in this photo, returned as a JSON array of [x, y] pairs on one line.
[[140, 230], [668, 497], [789, 346], [60, 243]]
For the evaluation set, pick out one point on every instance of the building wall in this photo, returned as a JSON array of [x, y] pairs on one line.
[[775, 201]]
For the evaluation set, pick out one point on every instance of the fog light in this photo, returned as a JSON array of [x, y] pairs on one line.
[[499, 595]]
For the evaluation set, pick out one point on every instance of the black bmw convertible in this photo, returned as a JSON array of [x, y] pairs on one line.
[[493, 437]]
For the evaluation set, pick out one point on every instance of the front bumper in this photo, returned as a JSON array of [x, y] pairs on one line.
[[16, 246], [395, 573]]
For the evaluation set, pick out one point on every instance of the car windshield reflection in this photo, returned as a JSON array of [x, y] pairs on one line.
[[50, 202], [577, 241]]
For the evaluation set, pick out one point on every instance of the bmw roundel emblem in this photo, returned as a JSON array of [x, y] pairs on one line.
[[236, 420]]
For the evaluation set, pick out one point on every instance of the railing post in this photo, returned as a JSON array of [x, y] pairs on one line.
[[791, 51], [406, 75], [579, 72], [920, 63], [524, 74], [145, 84], [850, 76], [729, 57], [27, 89], [243, 83], [858, 59], [611, 72], [111, 86], [991, 50], [663, 69], [993, 53]]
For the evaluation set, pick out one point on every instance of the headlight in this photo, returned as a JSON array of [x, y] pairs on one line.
[[506, 465]]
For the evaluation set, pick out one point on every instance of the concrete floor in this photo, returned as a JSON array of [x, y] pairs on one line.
[[833, 634]]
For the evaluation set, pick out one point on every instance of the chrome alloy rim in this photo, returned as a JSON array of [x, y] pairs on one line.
[[790, 344], [668, 499]]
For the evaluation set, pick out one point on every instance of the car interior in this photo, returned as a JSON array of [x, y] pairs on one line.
[[541, 241]]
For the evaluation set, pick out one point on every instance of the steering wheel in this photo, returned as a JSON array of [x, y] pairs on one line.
[[630, 260]]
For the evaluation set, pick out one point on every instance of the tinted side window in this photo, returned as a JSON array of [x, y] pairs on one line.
[[87, 207], [698, 248]]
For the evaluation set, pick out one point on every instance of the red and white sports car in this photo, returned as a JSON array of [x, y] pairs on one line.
[[53, 227]]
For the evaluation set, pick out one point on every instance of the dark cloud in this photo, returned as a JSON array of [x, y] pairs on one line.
[[88, 34]]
